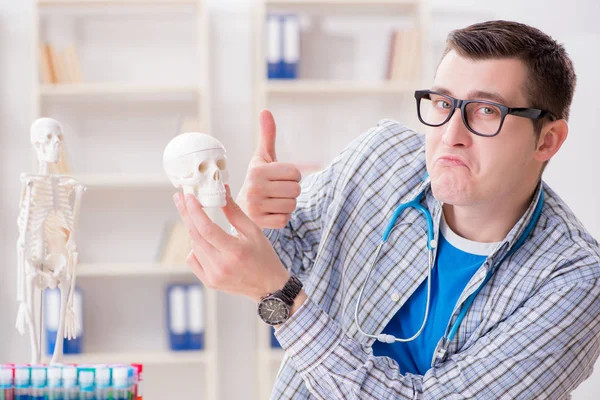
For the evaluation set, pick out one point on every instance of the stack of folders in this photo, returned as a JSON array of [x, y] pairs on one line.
[[52, 318], [185, 316], [282, 46]]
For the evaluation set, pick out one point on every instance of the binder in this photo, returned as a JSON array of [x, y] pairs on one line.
[[52, 317], [274, 342], [195, 317], [176, 317], [274, 47], [291, 46]]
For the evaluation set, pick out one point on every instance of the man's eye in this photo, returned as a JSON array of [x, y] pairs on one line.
[[487, 110], [442, 104]]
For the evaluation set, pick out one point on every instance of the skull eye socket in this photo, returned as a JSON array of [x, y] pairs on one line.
[[48, 136], [203, 167], [222, 164], [60, 136]]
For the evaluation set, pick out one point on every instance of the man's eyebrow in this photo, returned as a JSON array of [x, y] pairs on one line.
[[475, 95]]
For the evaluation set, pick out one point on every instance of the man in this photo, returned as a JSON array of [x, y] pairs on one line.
[[510, 308]]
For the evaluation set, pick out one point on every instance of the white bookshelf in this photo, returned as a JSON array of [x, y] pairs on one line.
[[131, 269], [88, 102], [147, 358], [325, 87], [96, 89], [305, 91], [125, 181]]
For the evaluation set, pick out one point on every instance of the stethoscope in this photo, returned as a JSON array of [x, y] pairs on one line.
[[431, 246]]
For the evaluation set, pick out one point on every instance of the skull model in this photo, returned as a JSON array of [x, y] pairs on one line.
[[47, 138], [197, 162]]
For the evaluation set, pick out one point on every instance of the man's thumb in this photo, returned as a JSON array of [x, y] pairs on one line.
[[266, 144]]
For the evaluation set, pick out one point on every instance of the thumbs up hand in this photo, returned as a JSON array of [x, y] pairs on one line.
[[268, 195]]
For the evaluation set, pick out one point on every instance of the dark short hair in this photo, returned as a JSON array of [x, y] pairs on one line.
[[551, 78]]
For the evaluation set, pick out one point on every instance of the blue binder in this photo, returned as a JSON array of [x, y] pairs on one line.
[[51, 319], [176, 317], [273, 54], [195, 317], [291, 46]]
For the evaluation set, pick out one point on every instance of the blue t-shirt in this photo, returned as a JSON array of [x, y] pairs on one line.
[[457, 261]]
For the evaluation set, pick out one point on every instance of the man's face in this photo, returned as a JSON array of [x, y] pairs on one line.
[[494, 167]]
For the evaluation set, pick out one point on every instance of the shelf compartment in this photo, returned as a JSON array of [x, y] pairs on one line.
[[95, 89], [131, 269], [146, 358], [323, 87]]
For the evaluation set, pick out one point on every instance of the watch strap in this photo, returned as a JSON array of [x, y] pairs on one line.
[[290, 290]]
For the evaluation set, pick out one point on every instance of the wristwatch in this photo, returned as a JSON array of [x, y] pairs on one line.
[[274, 308]]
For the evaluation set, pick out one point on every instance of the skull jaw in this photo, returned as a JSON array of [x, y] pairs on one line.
[[207, 198], [49, 154]]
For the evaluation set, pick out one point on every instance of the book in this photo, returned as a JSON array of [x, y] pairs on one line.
[[176, 244], [404, 55], [71, 59], [48, 74]]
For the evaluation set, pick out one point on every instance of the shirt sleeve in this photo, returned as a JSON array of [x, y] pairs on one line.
[[297, 244], [543, 350]]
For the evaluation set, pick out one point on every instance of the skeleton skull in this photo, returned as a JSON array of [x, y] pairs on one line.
[[197, 162], [47, 138]]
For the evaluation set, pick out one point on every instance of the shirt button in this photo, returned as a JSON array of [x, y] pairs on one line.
[[395, 297]]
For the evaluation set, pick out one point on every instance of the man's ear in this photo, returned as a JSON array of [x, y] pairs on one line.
[[552, 136]]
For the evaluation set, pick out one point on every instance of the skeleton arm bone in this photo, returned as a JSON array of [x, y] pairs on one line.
[[24, 204], [71, 322]]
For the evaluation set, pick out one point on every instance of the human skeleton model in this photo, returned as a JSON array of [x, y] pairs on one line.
[[46, 249], [197, 162]]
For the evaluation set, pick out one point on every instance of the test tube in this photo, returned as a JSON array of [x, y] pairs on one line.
[[22, 382], [120, 376], [69, 382], [38, 382], [138, 389], [102, 382], [86, 384], [6, 382], [55, 391]]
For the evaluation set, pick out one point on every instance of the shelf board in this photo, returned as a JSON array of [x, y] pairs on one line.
[[146, 358], [322, 87], [94, 89], [113, 2], [339, 7], [118, 180], [131, 269], [341, 2]]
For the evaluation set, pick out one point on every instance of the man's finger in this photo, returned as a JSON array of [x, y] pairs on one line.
[[195, 235], [278, 206], [266, 144], [282, 172], [236, 217], [196, 267], [210, 231], [282, 189]]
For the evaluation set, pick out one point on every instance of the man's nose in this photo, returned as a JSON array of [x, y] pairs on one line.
[[456, 133]]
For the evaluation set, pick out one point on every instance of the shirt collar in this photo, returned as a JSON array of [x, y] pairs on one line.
[[435, 208]]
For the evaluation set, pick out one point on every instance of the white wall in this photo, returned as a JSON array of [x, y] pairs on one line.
[[572, 173]]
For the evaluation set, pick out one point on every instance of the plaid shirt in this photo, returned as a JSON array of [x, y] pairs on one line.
[[532, 332]]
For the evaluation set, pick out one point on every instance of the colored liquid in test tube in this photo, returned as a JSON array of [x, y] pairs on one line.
[[120, 377], [69, 383], [6, 383], [103, 382], [86, 384], [38, 383], [55, 391], [22, 382]]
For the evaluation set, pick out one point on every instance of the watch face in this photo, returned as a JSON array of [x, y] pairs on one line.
[[273, 310]]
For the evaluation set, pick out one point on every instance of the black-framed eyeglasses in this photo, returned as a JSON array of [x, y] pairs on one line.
[[481, 117]]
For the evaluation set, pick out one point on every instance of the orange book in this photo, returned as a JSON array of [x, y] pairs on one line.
[[46, 66]]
